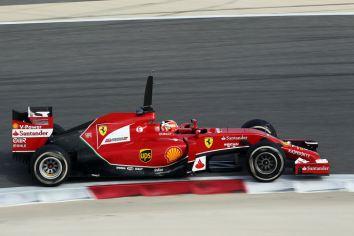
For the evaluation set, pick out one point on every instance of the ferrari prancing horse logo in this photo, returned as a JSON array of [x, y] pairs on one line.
[[103, 129], [208, 142]]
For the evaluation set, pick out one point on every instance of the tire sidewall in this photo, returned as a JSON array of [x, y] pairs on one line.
[[262, 148], [60, 155]]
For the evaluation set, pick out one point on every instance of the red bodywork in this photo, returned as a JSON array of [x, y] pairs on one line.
[[135, 142], [128, 139], [29, 135]]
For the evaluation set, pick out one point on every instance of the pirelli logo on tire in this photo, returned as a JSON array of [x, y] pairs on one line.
[[145, 155]]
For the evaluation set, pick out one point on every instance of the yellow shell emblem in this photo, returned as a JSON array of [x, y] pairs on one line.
[[173, 153]]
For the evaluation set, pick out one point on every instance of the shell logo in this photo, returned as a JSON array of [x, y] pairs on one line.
[[15, 126], [173, 153]]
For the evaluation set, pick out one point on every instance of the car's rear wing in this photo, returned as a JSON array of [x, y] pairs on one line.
[[31, 129]]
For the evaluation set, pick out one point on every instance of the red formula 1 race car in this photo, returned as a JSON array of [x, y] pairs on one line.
[[135, 145]]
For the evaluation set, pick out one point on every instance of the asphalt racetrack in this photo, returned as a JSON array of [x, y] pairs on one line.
[[297, 72]]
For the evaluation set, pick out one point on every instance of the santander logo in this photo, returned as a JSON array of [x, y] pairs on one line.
[[199, 164]]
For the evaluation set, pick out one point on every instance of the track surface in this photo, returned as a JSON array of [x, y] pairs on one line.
[[271, 214], [296, 72]]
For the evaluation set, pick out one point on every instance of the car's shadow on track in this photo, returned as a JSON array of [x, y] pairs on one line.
[[16, 174], [287, 175], [13, 173]]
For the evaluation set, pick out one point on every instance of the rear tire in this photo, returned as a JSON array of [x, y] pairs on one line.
[[266, 161], [50, 165], [261, 125]]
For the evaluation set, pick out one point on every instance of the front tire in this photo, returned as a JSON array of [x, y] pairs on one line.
[[261, 125], [266, 161], [50, 165]]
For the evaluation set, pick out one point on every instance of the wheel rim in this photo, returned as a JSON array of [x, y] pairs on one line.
[[266, 163], [50, 167]]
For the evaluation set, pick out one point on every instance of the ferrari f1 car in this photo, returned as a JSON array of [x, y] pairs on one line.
[[135, 145]]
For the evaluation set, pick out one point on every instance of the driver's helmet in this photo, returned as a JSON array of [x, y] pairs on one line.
[[169, 126]]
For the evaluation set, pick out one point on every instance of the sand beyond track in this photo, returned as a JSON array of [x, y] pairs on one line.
[[163, 8], [229, 214]]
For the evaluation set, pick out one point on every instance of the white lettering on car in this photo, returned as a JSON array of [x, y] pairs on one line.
[[118, 136], [295, 152], [31, 133]]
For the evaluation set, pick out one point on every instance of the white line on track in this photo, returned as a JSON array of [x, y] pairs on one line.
[[103, 19]]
